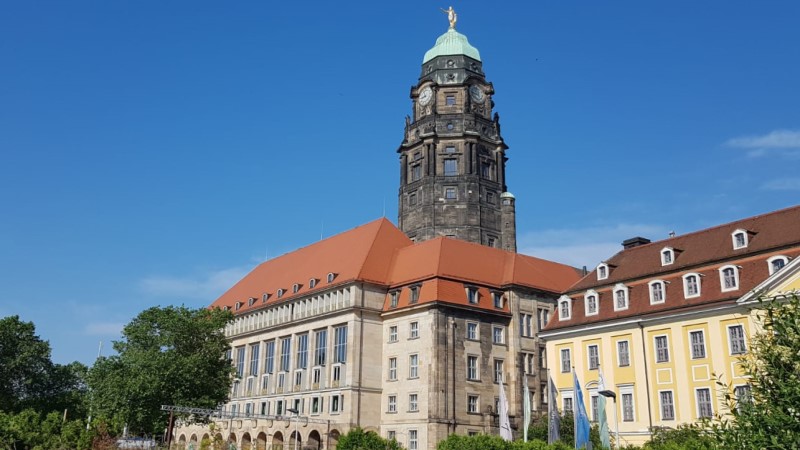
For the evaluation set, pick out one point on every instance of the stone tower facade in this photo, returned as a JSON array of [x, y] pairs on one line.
[[452, 159]]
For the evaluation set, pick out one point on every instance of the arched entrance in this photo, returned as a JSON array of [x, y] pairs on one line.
[[295, 436], [333, 438], [314, 441], [231, 442], [261, 441], [182, 442], [277, 441], [245, 444]]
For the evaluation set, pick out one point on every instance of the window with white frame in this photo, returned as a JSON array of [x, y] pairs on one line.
[[340, 344], [392, 404], [626, 402], [337, 403], [413, 366], [286, 353], [316, 377], [657, 291], [472, 294], [265, 384], [593, 353], [312, 283], [393, 333], [472, 404], [740, 239], [302, 351], [593, 401], [413, 402], [498, 335], [776, 263], [602, 271], [698, 343], [472, 331], [413, 442], [591, 303], [394, 297], [662, 349], [704, 408], [623, 354], [472, 368], [336, 375], [620, 297], [667, 405], [566, 360], [498, 370], [736, 339], [497, 299], [566, 401], [330, 277], [564, 308], [729, 278], [316, 405], [413, 330], [391, 435], [392, 369], [321, 347], [667, 256], [526, 325], [691, 285], [743, 394], [254, 356]]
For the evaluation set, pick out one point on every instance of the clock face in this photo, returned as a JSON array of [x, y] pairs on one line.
[[476, 93], [425, 96]]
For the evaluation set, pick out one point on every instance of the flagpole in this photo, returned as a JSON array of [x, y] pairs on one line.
[[574, 407]]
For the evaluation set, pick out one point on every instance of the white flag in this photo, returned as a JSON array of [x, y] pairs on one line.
[[526, 405], [505, 425]]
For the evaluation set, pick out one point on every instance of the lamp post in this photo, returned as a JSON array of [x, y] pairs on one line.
[[613, 396], [296, 419]]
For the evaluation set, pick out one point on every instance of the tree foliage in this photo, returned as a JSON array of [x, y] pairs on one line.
[[538, 430], [494, 442], [31, 429], [770, 416], [29, 379], [167, 356], [358, 439]]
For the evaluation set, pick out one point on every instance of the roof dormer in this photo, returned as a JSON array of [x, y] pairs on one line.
[[740, 238], [251, 301], [331, 277], [667, 256], [602, 271]]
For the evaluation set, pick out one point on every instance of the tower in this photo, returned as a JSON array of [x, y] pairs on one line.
[[452, 159]]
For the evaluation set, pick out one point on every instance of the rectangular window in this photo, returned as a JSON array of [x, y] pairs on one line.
[[392, 404], [254, 355], [416, 172], [667, 406], [337, 404], [698, 344], [450, 167], [662, 349], [472, 404], [472, 295], [392, 369], [450, 149], [498, 370], [286, 352], [567, 404], [281, 382], [742, 394], [413, 405], [472, 367], [240, 361], [594, 357], [450, 100], [472, 331], [692, 287], [316, 405], [316, 377], [497, 299], [627, 407], [593, 401], [269, 360], [729, 278], [302, 351], [393, 333], [543, 316], [337, 375], [486, 170], [391, 435], [413, 366], [704, 403], [412, 440], [264, 408], [412, 199], [623, 354], [394, 297], [737, 340], [321, 349], [279, 407], [542, 358], [414, 294], [298, 378], [340, 344], [498, 335], [566, 362], [264, 383], [413, 330], [450, 193]]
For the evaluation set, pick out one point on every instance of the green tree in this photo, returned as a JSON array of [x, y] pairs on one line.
[[29, 379], [167, 356], [538, 430], [769, 417], [358, 439]]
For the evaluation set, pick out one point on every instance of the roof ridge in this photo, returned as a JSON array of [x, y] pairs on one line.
[[382, 223]]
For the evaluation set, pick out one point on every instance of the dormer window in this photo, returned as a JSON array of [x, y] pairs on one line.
[[251, 301], [312, 283], [295, 288], [564, 308], [691, 285], [658, 291], [620, 297], [497, 299], [729, 278], [740, 239], [472, 295], [331, 277], [776, 263], [238, 306], [280, 293], [394, 297], [667, 256], [414, 294], [264, 298], [226, 308], [591, 299], [602, 271]]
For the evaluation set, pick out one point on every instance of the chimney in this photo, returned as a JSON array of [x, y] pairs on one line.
[[634, 242]]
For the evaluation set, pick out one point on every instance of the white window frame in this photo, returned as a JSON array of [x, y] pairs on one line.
[[477, 335], [730, 340], [331, 276], [413, 440], [413, 366], [413, 330], [661, 404], [561, 301], [591, 293], [697, 402], [623, 391], [602, 271], [667, 251], [628, 352], [568, 360], [501, 335], [473, 372], [746, 240], [391, 404], [589, 356], [771, 261], [655, 348], [392, 369], [413, 402], [651, 288], [691, 344], [722, 278], [619, 287], [393, 333], [567, 395], [686, 293], [477, 404], [473, 296]]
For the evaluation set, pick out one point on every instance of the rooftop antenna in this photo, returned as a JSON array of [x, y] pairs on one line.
[[672, 234], [266, 253], [384, 207], [321, 228]]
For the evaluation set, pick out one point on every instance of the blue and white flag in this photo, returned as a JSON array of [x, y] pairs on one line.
[[526, 406], [553, 418], [602, 418], [581, 419]]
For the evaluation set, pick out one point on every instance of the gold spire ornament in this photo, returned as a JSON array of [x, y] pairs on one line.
[[452, 17]]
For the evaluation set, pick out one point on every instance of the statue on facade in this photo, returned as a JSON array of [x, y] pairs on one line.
[[452, 17]]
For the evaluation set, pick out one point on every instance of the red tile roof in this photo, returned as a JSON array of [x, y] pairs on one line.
[[703, 252]]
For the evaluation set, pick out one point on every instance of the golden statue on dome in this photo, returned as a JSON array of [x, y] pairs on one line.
[[452, 17]]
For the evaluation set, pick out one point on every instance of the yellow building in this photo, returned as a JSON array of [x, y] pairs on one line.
[[663, 319]]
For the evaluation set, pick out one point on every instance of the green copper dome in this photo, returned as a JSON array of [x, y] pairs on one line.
[[452, 43]]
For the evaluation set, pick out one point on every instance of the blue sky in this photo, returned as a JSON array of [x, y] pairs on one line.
[[152, 152]]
